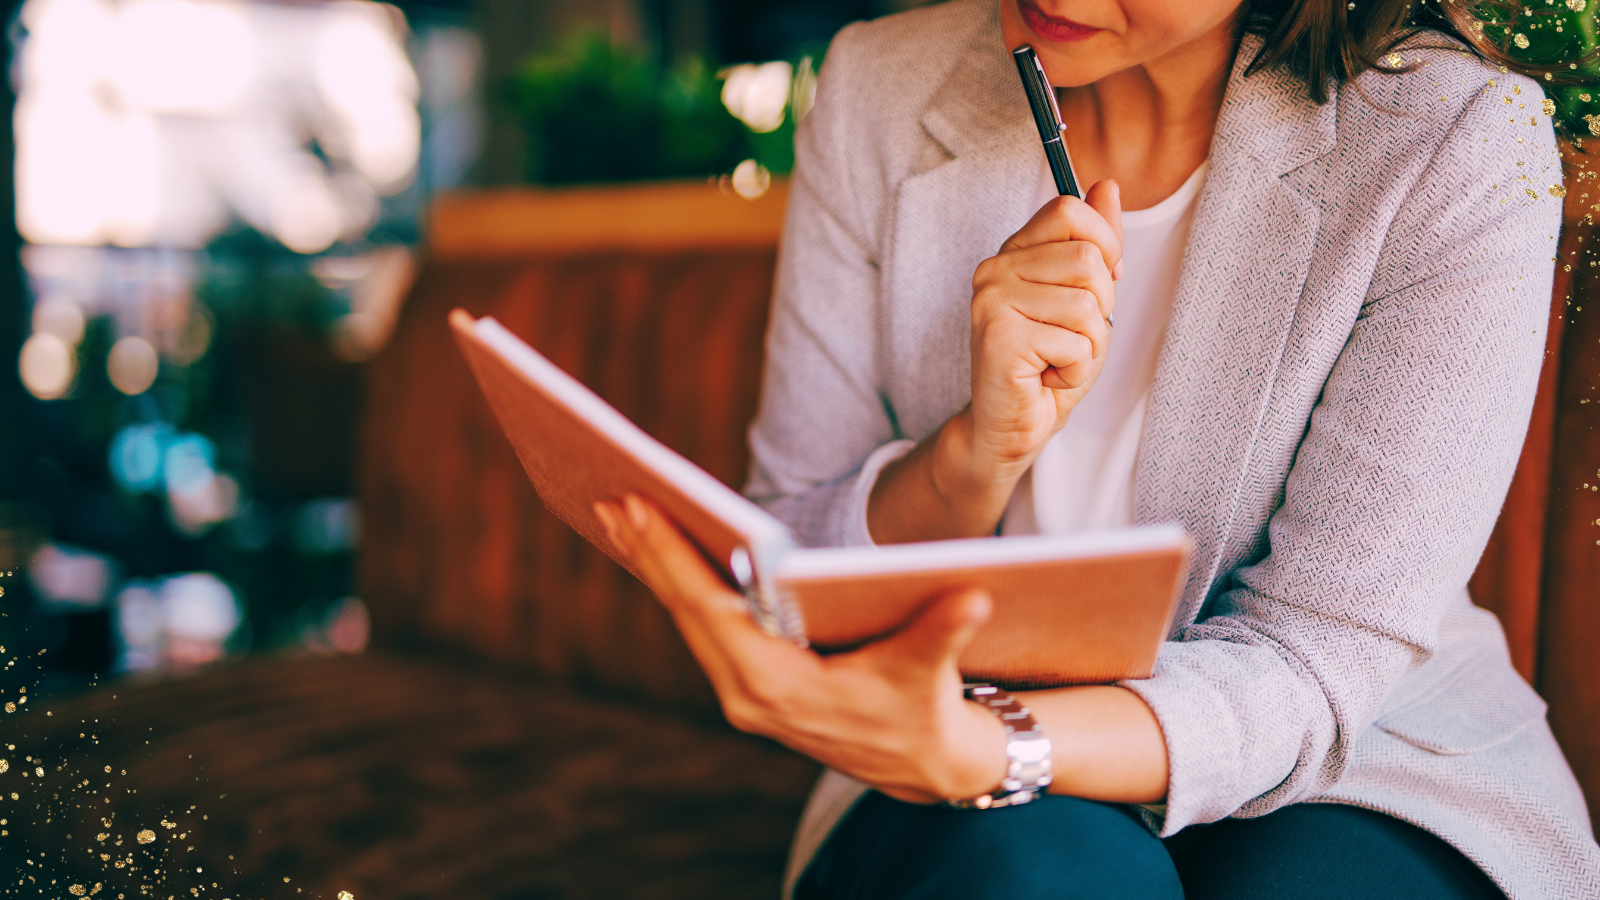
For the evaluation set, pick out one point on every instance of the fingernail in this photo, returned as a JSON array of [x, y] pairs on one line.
[[1116, 274], [635, 509], [608, 519]]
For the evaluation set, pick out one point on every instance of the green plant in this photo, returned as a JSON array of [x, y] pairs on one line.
[[1559, 36], [594, 111]]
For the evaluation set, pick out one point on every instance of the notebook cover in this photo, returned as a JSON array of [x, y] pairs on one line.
[[577, 450], [1084, 620], [1079, 617]]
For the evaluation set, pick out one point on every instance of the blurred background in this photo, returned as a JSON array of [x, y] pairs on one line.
[[217, 211]]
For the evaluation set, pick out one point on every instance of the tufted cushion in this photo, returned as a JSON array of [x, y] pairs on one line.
[[395, 778]]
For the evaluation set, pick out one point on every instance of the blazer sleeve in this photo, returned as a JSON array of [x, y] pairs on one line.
[[1392, 494], [821, 412]]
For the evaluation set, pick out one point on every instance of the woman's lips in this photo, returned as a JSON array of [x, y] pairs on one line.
[[1053, 28]]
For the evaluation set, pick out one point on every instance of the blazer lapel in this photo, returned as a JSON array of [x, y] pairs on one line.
[[976, 188], [1242, 275]]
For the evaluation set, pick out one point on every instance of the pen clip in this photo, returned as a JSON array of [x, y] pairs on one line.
[[1050, 92]]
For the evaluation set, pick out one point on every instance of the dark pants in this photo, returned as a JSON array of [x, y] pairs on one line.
[[1062, 847]]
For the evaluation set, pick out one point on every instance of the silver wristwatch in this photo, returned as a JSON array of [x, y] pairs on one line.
[[1027, 751]]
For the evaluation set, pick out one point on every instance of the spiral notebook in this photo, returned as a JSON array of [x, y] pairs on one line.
[[1075, 609]]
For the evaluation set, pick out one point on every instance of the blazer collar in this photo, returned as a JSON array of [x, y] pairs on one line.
[[1267, 116], [1239, 288], [980, 106]]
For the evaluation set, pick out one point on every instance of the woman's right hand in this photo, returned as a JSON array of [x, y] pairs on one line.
[[1039, 328], [1039, 340]]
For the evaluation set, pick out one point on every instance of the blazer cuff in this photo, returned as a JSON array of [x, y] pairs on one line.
[[1203, 737], [855, 530]]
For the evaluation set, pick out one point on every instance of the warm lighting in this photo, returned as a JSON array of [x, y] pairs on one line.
[[305, 215], [88, 167], [349, 627], [156, 122], [366, 80], [183, 57], [46, 365], [133, 365], [751, 179], [378, 282], [758, 94]]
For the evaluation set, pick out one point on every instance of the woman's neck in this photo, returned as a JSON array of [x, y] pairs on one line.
[[1150, 126]]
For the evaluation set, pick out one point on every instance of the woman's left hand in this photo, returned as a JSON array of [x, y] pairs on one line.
[[889, 714]]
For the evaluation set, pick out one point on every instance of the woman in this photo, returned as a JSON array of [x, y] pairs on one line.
[[1329, 288]]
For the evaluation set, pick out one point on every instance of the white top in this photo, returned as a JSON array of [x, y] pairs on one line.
[[1083, 479]]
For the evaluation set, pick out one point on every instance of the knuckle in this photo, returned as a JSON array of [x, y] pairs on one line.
[[984, 300], [992, 330], [740, 713], [1085, 305]]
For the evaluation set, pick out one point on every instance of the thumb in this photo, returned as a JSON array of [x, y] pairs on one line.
[[1105, 198], [941, 630]]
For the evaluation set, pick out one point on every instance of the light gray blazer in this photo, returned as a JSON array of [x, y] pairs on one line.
[[1337, 410]]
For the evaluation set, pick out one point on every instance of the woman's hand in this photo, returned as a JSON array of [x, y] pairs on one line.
[[889, 714], [1039, 326], [1039, 340]]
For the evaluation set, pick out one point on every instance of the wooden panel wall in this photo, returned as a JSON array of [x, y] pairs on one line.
[[1569, 614], [458, 548]]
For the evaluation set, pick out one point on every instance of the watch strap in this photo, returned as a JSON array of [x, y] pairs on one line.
[[1027, 750]]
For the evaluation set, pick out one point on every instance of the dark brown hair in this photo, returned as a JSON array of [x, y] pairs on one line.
[[1330, 42]]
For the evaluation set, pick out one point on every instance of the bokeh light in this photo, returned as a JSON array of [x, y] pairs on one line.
[[175, 622], [133, 365], [188, 463], [156, 122], [47, 366], [212, 500], [751, 179], [198, 606], [183, 57], [70, 576], [757, 95], [137, 452], [366, 80]]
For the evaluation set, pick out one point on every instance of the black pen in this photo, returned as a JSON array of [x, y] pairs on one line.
[[1046, 115]]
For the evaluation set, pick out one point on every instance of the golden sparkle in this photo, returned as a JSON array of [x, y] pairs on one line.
[[146, 836]]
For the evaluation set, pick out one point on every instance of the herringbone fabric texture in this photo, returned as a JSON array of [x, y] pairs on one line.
[[1337, 411]]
